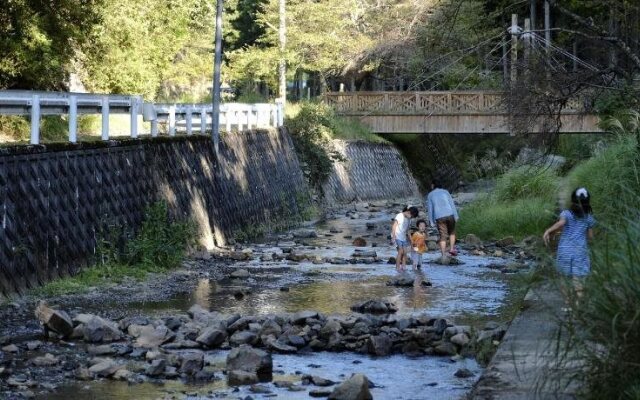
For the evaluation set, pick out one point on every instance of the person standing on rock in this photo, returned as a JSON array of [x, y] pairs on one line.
[[443, 215], [400, 234], [577, 224]]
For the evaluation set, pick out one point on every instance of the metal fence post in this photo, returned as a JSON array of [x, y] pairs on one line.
[[172, 120], [73, 119], [188, 116], [133, 110], [105, 117], [35, 119], [203, 120]]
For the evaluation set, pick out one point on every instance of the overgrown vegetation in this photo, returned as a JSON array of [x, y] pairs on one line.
[[313, 126], [523, 203], [604, 328], [160, 245]]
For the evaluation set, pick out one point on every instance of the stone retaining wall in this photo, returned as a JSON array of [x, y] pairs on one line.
[[371, 171], [56, 199]]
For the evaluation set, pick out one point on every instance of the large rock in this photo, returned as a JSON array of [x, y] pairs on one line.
[[375, 307], [379, 345], [105, 368], [270, 327], [212, 337], [240, 274], [248, 359], [96, 329], [242, 337], [240, 378], [507, 241], [473, 240], [460, 339], [150, 337], [156, 367], [364, 253], [54, 320], [354, 388], [191, 363], [304, 234], [301, 317]]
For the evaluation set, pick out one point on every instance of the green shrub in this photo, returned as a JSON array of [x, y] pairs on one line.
[[159, 245], [519, 218], [612, 178], [523, 203], [526, 183], [311, 133]]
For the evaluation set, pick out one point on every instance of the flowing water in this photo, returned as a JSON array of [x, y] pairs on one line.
[[458, 292]]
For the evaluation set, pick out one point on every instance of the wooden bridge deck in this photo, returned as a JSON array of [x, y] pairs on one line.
[[444, 112]]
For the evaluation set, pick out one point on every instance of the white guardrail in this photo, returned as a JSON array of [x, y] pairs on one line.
[[195, 117]]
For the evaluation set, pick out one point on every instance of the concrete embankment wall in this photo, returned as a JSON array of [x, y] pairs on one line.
[[371, 171], [56, 200]]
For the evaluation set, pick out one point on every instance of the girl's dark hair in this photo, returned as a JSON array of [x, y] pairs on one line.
[[413, 210], [436, 184], [421, 221], [580, 203]]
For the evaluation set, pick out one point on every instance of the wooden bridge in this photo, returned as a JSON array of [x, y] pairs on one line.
[[445, 112]]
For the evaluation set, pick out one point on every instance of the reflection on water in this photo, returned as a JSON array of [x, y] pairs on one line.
[[397, 377]]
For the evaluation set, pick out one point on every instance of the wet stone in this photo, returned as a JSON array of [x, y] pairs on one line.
[[156, 367], [375, 307], [11, 348], [56, 320], [320, 393], [47, 360], [463, 373], [354, 388], [242, 337], [191, 363], [240, 274], [33, 345]]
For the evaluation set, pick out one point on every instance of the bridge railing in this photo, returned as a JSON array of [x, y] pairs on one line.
[[425, 103], [188, 118]]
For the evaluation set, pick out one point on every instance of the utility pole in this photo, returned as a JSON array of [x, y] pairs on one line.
[[282, 32], [547, 24], [514, 48], [533, 13], [526, 36], [217, 63]]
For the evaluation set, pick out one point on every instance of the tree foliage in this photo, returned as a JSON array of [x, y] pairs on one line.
[[38, 40]]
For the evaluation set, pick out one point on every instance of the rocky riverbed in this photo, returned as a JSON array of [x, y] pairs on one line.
[[321, 303]]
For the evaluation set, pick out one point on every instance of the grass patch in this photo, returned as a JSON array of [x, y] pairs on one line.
[[159, 245], [522, 204]]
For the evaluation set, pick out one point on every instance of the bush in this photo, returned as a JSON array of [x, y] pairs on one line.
[[523, 203], [518, 218], [526, 183], [159, 245], [612, 178], [311, 133]]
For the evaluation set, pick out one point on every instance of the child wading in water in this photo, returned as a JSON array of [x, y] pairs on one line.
[[577, 224], [400, 235], [419, 244]]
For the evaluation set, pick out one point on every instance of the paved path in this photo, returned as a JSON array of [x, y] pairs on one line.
[[524, 366]]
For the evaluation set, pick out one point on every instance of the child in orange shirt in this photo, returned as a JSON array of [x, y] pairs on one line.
[[419, 244]]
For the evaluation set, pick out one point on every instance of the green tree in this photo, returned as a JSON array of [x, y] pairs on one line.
[[39, 39]]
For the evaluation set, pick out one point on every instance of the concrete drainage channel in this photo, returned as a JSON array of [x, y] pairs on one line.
[[292, 297]]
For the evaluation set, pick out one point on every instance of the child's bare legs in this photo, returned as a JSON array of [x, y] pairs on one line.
[[400, 259]]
